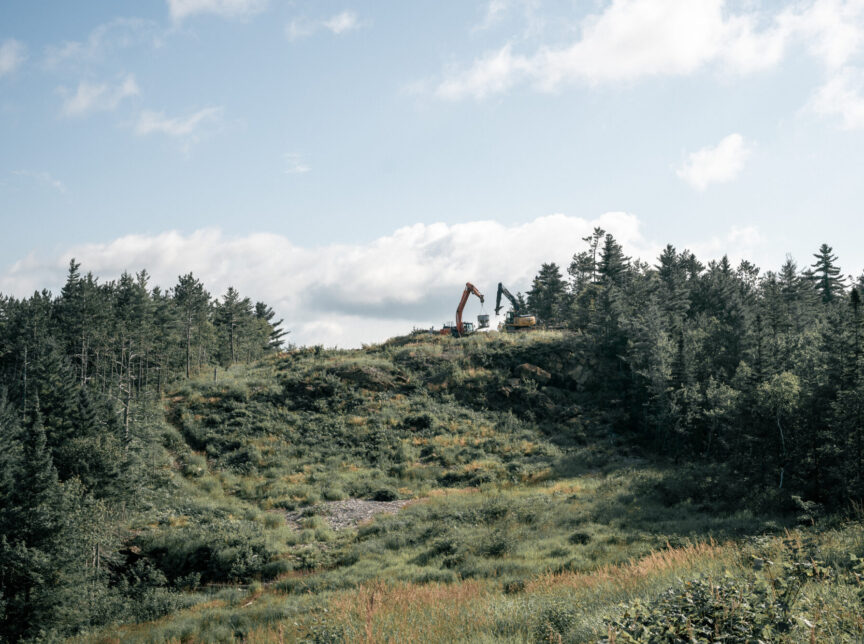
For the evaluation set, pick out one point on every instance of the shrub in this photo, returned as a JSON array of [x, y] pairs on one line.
[[498, 544], [385, 494], [554, 621], [759, 609], [224, 550], [333, 493]]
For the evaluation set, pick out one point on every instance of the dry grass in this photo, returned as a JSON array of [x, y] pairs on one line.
[[628, 576], [381, 612]]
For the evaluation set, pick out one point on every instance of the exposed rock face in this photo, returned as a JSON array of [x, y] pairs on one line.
[[347, 513], [534, 372], [370, 378]]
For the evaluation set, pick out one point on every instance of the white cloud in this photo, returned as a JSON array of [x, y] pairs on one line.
[[181, 9], [495, 10], [634, 39], [718, 164], [150, 122], [103, 41], [338, 24], [833, 30], [298, 28], [346, 293], [12, 54], [294, 164], [91, 97], [842, 96], [738, 243], [342, 22]]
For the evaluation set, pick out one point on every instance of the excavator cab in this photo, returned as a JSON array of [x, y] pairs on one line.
[[515, 320], [466, 328]]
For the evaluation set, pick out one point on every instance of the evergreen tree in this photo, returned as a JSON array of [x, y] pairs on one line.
[[192, 301], [613, 264], [826, 274], [583, 267], [233, 317], [547, 297], [275, 333]]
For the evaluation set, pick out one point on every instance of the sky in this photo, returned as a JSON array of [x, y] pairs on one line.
[[353, 164]]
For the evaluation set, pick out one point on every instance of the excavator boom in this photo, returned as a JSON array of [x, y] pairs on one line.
[[469, 289], [513, 302], [517, 319]]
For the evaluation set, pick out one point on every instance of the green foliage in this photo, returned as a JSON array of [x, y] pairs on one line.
[[760, 606]]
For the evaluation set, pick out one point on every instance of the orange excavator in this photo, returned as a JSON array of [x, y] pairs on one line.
[[465, 328]]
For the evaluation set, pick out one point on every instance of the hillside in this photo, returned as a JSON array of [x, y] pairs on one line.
[[435, 489]]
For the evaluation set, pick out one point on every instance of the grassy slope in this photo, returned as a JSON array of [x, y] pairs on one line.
[[532, 520]]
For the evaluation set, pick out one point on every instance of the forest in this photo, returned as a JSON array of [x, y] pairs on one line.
[[681, 448]]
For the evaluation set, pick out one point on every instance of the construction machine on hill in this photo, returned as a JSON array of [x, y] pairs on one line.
[[516, 319], [460, 328]]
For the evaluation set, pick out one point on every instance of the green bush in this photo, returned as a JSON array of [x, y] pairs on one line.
[[224, 550], [333, 493], [554, 621], [758, 608], [385, 494]]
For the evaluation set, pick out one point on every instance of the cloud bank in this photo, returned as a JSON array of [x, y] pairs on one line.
[[350, 294], [633, 39], [344, 294]]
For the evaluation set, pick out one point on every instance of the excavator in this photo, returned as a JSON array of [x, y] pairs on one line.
[[515, 320], [466, 328]]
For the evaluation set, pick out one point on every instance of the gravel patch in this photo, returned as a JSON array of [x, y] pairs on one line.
[[347, 513]]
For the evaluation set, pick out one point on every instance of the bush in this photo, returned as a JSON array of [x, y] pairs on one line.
[[759, 609], [498, 544], [224, 550], [333, 493], [385, 494], [554, 622]]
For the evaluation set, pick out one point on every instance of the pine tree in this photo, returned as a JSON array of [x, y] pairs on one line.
[[583, 267], [192, 301], [275, 333], [613, 264], [547, 297], [826, 274], [232, 317], [674, 290]]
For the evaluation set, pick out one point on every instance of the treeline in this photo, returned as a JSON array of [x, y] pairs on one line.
[[756, 378], [76, 455]]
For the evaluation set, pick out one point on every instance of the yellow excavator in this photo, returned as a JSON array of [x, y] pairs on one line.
[[516, 320]]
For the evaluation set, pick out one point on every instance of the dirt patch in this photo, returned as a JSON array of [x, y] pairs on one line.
[[347, 513]]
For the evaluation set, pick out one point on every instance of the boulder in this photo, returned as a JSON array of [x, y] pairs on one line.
[[533, 372]]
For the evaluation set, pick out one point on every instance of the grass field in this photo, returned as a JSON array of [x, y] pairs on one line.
[[528, 520]]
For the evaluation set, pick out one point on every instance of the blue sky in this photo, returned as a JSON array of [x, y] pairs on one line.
[[354, 163]]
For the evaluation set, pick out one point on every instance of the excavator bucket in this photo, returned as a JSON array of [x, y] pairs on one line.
[[483, 321]]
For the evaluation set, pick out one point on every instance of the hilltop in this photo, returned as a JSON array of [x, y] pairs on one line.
[[511, 509]]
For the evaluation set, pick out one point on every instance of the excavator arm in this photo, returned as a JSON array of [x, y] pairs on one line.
[[469, 289], [503, 291]]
